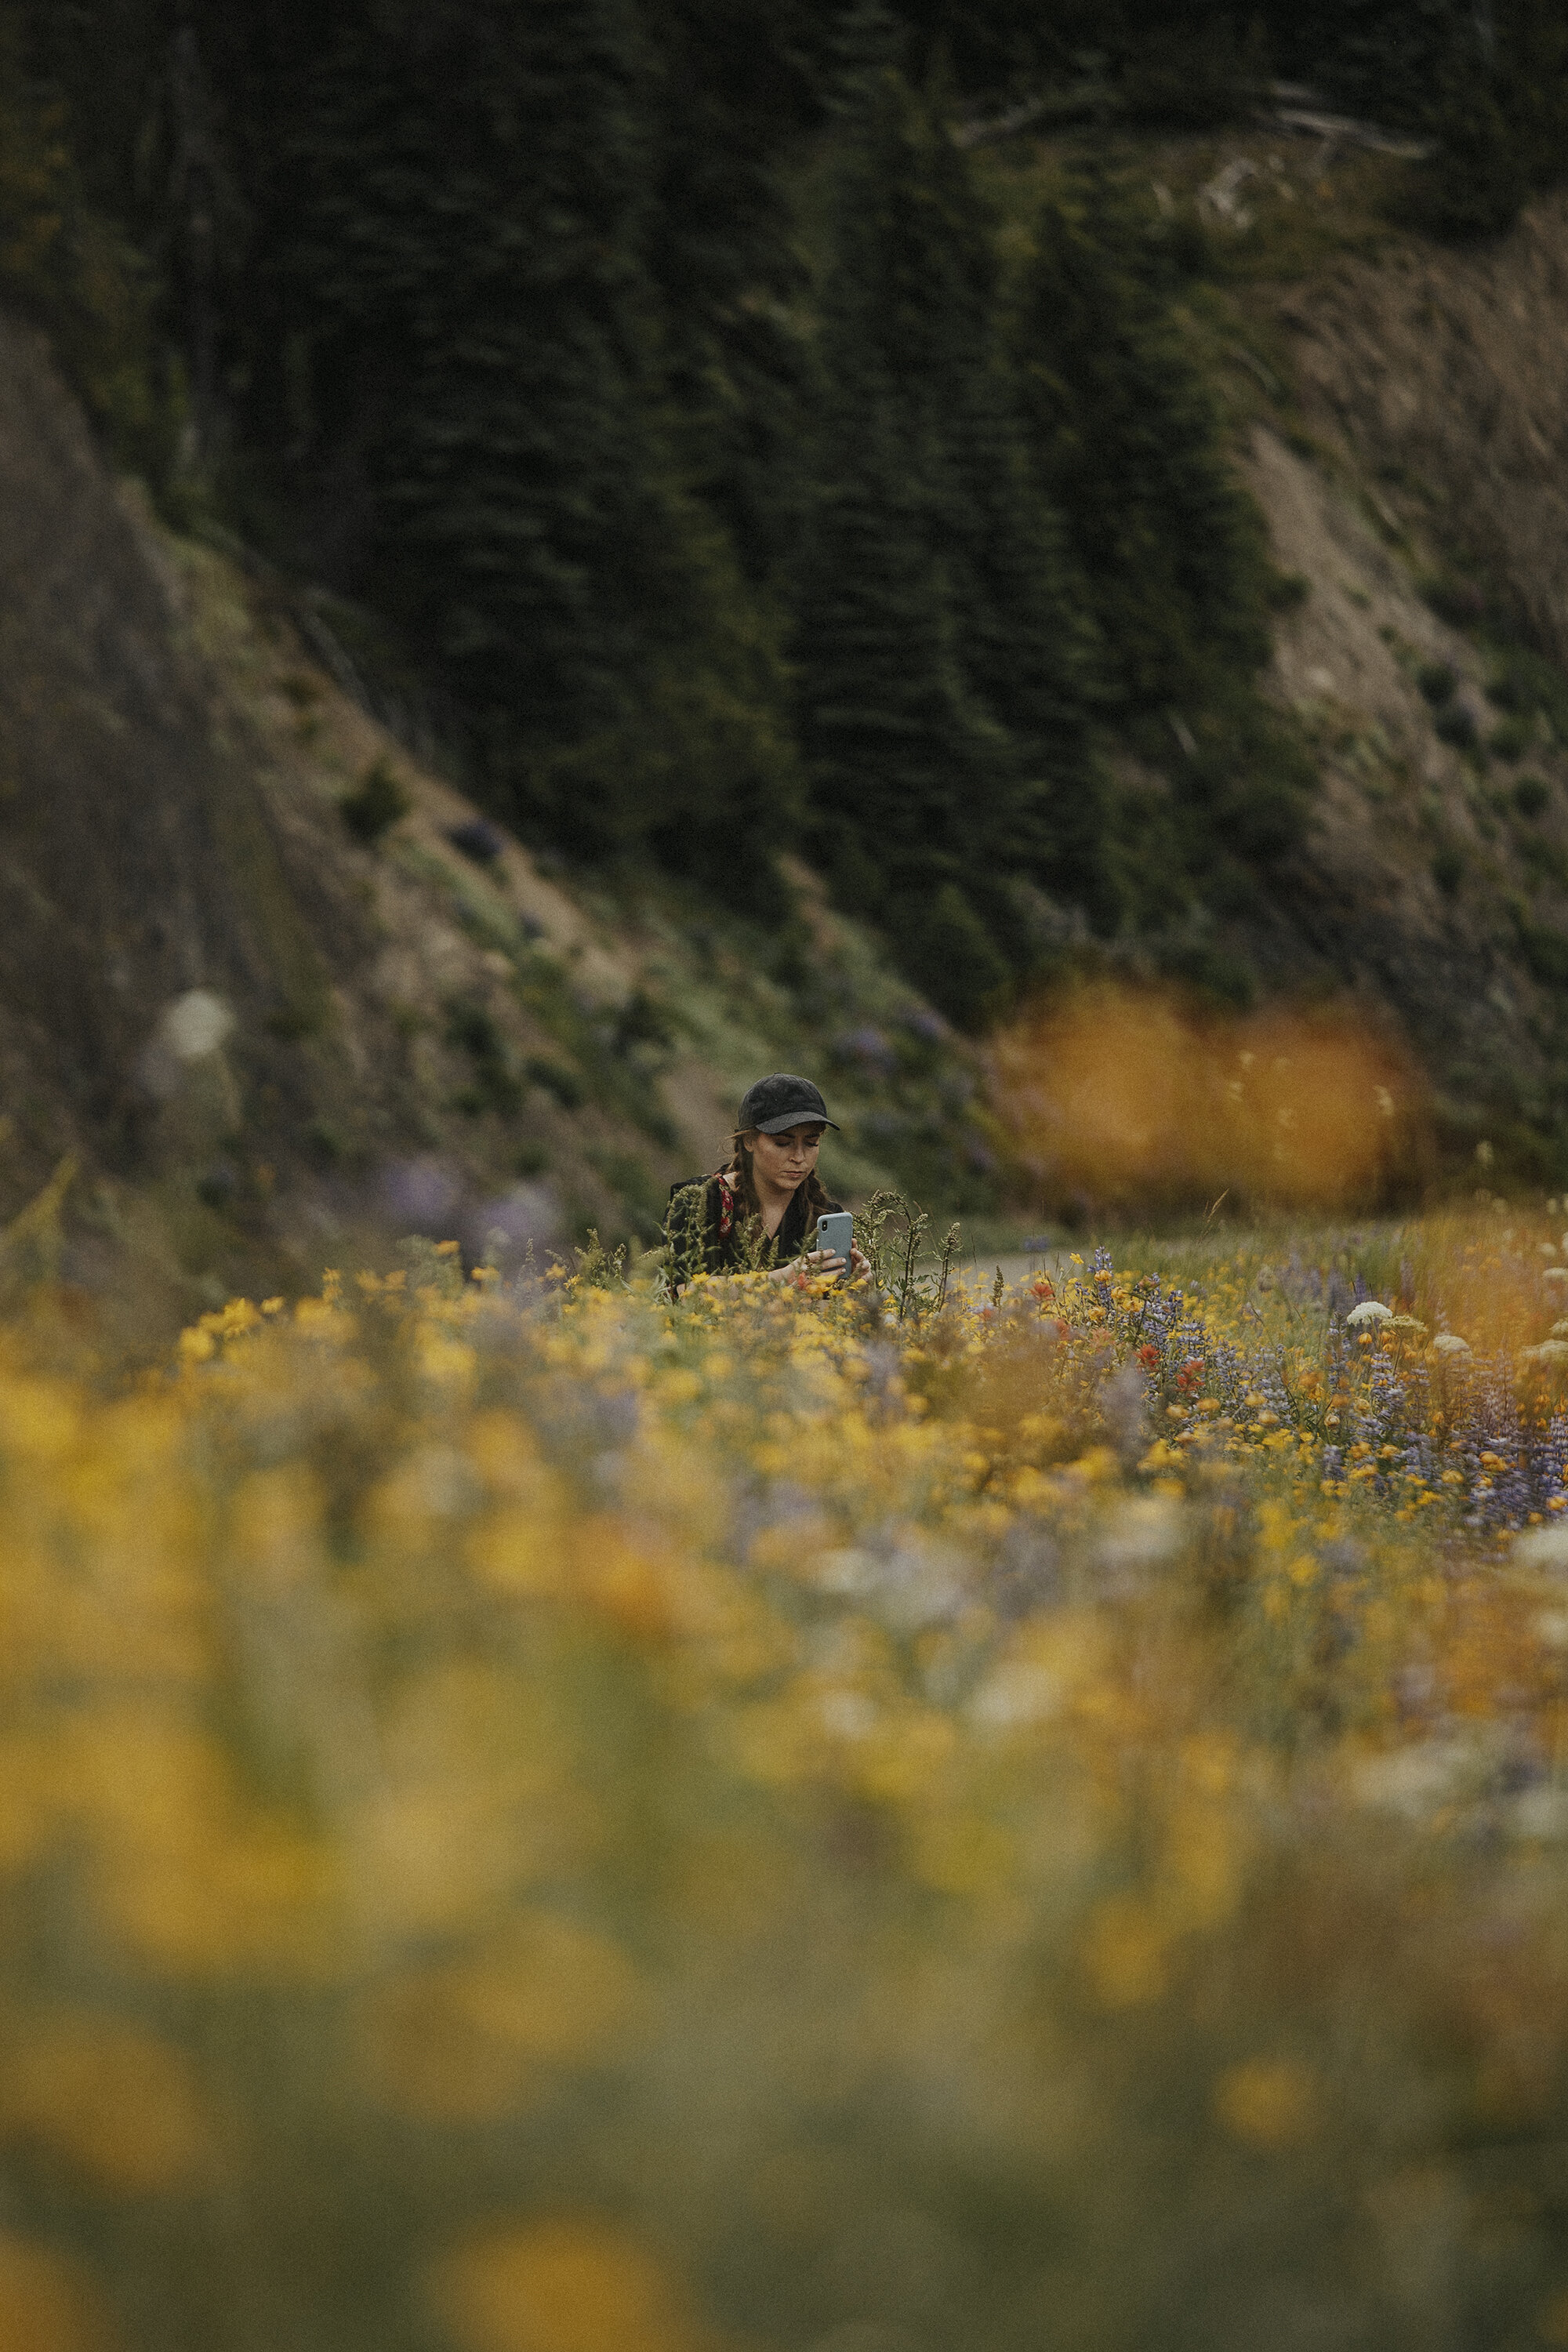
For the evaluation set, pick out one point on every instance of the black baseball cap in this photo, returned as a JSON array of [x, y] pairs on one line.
[[780, 1101]]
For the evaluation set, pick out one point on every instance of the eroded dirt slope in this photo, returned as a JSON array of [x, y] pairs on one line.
[[1424, 857], [264, 1041], [1446, 371], [202, 996], [1434, 383]]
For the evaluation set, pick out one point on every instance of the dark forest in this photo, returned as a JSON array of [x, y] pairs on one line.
[[653, 390]]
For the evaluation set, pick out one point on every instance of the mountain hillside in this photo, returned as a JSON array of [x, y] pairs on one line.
[[1399, 411], [1425, 505], [272, 988], [258, 1025]]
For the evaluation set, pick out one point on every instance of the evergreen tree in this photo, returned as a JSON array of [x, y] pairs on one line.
[[473, 261], [867, 42], [1023, 645], [941, 703], [68, 264], [902, 764], [476, 248], [1532, 49], [735, 87], [1126, 442], [1486, 79], [1000, 46]]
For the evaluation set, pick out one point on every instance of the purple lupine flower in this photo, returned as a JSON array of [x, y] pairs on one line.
[[1552, 1456], [1390, 1401], [1270, 1385], [1227, 1374]]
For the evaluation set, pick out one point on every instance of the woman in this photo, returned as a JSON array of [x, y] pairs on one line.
[[761, 1209]]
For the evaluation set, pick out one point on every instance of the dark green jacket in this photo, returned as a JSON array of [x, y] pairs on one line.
[[705, 1227]]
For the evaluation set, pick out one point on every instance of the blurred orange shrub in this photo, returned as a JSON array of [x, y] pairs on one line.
[[1116, 1094]]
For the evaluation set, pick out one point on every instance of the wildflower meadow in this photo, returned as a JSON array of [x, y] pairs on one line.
[[541, 1817]]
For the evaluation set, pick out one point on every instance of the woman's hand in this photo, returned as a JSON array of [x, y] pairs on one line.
[[821, 1261], [809, 1263]]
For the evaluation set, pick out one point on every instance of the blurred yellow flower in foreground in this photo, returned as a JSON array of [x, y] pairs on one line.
[[46, 2303], [1268, 2103], [191, 1872], [515, 1768], [470, 2038], [562, 2286], [114, 2102], [1126, 1952]]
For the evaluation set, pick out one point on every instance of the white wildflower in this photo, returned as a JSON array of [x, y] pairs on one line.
[[195, 1025], [1555, 1273], [1418, 1780], [1540, 1812], [1143, 1533], [1545, 1547], [1020, 1690], [1549, 1351], [849, 1571], [1371, 1311], [443, 1480], [913, 1583], [1449, 1343], [847, 1714]]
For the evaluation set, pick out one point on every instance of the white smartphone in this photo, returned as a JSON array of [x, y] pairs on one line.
[[836, 1233]]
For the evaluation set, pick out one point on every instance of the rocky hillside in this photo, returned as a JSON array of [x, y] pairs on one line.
[[1400, 410], [1425, 507], [270, 990]]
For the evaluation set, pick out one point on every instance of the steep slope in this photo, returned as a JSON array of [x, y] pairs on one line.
[[1446, 371], [1426, 508], [1400, 411], [259, 1035], [265, 1041], [139, 863], [1429, 872]]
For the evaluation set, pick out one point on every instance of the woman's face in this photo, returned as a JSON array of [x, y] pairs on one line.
[[784, 1160]]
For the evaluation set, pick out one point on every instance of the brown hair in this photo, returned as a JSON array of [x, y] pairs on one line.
[[740, 1166]]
